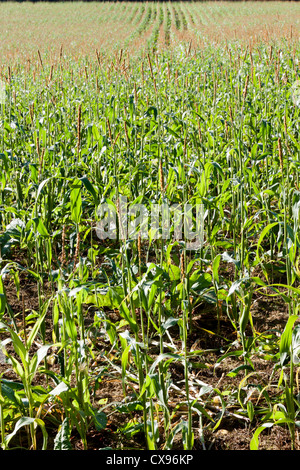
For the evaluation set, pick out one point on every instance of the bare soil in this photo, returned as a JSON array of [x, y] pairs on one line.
[[234, 432]]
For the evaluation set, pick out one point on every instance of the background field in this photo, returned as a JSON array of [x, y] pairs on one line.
[[81, 28], [142, 343]]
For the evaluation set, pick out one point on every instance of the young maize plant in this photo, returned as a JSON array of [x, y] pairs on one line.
[[149, 225]]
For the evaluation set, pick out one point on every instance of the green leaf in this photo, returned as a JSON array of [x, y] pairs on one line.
[[157, 389], [150, 110], [8, 390], [201, 410], [124, 360], [254, 443], [130, 406], [90, 188], [37, 324], [76, 202], [2, 304], [263, 234], [18, 346], [168, 324], [26, 421], [250, 410], [234, 372], [176, 429], [174, 272], [162, 357], [215, 267], [100, 420], [17, 367], [286, 339], [62, 438], [40, 227], [37, 358], [41, 186]]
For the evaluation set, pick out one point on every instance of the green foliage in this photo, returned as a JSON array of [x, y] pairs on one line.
[[213, 125]]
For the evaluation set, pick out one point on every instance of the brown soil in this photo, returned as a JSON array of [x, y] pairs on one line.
[[235, 431]]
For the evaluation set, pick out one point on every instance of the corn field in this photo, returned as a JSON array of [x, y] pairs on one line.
[[142, 342]]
